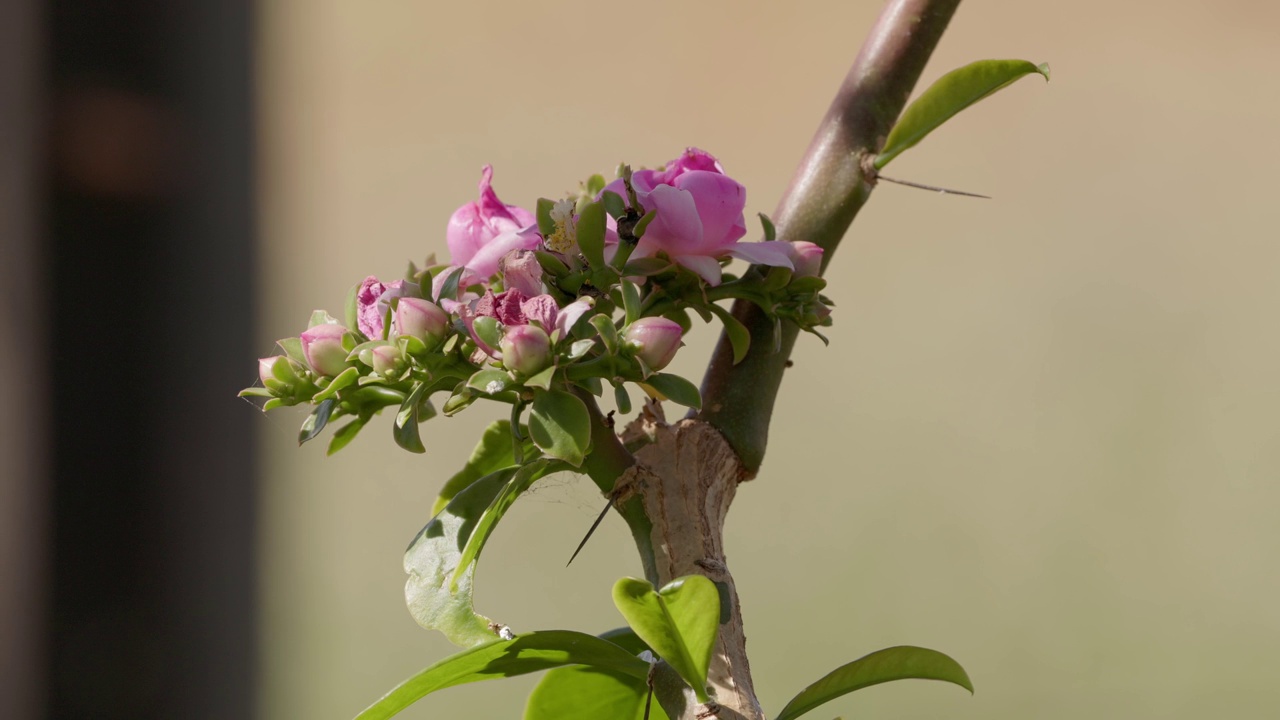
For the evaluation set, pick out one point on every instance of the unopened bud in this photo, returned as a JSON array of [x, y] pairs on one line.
[[526, 349], [322, 346], [654, 339], [422, 319], [806, 257], [386, 360]]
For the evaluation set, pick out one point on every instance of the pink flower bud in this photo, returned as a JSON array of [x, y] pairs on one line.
[[264, 368], [655, 340], [807, 258], [422, 319], [480, 233], [386, 360], [322, 346], [526, 349]]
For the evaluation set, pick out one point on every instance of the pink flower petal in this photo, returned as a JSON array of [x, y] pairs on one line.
[[775, 253], [705, 267], [485, 262], [677, 227], [720, 200]]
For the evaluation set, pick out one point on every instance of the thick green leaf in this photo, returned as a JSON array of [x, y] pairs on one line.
[[316, 421], [587, 693], [770, 232], [344, 380], [523, 478], [679, 622], [591, 227], [613, 204], [344, 435], [406, 425], [434, 556], [292, 348], [546, 226], [646, 266], [494, 452], [560, 425], [350, 309], [622, 399], [674, 388], [490, 380], [952, 93], [643, 224], [738, 335], [608, 333], [527, 653], [631, 300], [895, 663]]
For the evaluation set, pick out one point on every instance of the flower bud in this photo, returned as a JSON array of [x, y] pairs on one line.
[[422, 319], [654, 339], [264, 368], [322, 346], [386, 360], [526, 349], [277, 372], [807, 258]]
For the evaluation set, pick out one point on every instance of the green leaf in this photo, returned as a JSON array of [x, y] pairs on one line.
[[543, 378], [406, 425], [591, 233], [292, 347], [433, 557], [350, 308], [345, 434], [622, 399], [551, 264], [952, 93], [316, 421], [644, 223], [527, 653], [489, 330], [608, 333], [613, 204], [666, 386], [631, 300], [739, 336], [646, 266], [895, 663], [679, 622], [560, 425], [345, 379], [492, 453], [595, 184], [770, 232], [546, 226], [490, 381], [320, 317], [523, 478]]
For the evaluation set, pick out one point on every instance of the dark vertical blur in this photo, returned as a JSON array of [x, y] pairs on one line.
[[150, 222]]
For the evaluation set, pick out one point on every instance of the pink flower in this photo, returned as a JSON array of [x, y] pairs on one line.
[[654, 339], [368, 317], [480, 233], [322, 346], [806, 257], [699, 220]]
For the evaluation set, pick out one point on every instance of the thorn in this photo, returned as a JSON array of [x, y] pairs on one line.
[[934, 188], [590, 532]]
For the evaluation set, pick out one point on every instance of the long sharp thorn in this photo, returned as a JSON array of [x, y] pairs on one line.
[[934, 188], [590, 532]]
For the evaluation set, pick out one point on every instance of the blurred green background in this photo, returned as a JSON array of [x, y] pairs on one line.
[[1045, 438]]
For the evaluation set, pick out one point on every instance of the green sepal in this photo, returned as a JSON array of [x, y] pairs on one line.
[[646, 267], [344, 380], [770, 232], [643, 224]]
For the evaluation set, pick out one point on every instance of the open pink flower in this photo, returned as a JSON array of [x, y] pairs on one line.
[[699, 220], [480, 233]]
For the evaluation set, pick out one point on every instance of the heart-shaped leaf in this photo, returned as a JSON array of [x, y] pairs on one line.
[[560, 425], [525, 654], [895, 663], [679, 622], [952, 93]]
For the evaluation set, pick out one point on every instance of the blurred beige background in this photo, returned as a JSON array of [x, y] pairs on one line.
[[1045, 438]]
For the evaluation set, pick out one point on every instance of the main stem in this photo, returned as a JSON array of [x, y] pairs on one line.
[[675, 492]]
